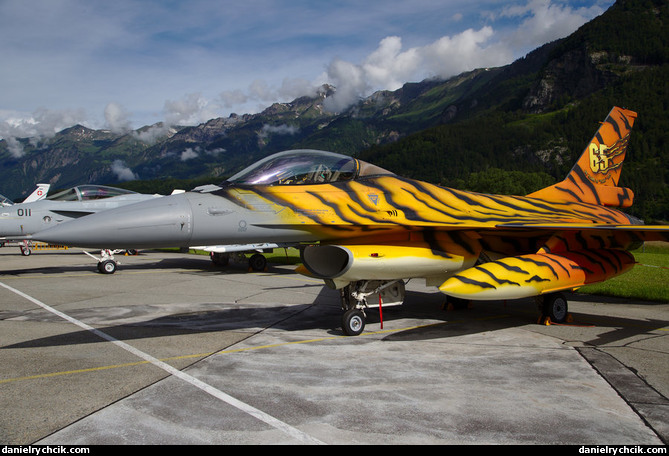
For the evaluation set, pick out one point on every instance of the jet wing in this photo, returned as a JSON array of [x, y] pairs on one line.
[[586, 226], [632, 233]]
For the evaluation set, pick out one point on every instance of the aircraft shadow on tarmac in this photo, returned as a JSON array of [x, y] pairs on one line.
[[141, 262], [425, 314]]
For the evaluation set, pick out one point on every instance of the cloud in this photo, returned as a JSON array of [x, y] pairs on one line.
[[191, 153], [261, 93], [152, 134], [188, 154], [117, 118], [278, 130], [43, 123], [543, 21], [351, 84], [122, 172], [39, 125], [15, 148], [389, 67], [191, 109]]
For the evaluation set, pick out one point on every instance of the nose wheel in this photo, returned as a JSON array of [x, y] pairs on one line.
[[353, 322], [354, 302], [107, 266]]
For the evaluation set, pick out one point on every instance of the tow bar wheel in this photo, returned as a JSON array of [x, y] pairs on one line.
[[107, 266]]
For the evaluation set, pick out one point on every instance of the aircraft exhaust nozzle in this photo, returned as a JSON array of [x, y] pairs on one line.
[[161, 222]]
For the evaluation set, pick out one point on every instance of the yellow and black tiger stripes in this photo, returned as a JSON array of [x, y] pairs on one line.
[[395, 204], [535, 274], [594, 178]]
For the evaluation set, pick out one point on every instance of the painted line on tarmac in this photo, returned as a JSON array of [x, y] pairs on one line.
[[228, 351], [260, 415]]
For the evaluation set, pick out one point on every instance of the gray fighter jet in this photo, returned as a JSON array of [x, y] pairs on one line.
[[38, 194], [19, 221]]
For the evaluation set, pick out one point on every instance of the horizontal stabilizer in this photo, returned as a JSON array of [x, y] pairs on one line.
[[535, 274]]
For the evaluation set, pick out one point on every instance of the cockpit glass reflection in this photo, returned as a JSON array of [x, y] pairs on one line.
[[88, 192], [299, 167], [4, 201]]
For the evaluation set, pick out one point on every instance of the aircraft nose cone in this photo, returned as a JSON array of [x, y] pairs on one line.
[[161, 222]]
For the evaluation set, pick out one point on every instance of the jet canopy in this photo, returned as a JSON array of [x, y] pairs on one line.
[[303, 167], [4, 201], [88, 193]]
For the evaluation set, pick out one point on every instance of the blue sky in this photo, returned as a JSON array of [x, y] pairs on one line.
[[127, 63]]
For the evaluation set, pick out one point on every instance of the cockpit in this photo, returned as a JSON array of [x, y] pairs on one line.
[[304, 167], [88, 193], [4, 201]]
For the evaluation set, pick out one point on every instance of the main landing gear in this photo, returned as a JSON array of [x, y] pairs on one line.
[[554, 308], [257, 261], [26, 247], [359, 296], [354, 301]]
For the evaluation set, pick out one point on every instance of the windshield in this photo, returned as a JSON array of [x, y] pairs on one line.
[[89, 192], [4, 201], [298, 167]]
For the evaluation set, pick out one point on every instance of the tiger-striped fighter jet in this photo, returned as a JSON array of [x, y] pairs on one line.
[[365, 230]]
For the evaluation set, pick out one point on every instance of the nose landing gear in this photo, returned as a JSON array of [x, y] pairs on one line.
[[354, 300], [353, 322]]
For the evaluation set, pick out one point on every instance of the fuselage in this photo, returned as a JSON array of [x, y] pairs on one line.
[[372, 207], [24, 219]]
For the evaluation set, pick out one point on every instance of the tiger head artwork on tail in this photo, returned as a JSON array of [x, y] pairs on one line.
[[595, 176]]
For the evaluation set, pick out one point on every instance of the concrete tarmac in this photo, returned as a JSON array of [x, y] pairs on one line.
[[174, 350]]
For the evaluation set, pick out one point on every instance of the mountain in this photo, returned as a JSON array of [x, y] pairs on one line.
[[510, 129]]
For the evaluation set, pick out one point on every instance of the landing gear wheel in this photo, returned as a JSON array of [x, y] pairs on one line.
[[456, 303], [353, 322], [25, 251], [257, 262], [555, 307], [107, 267], [220, 259]]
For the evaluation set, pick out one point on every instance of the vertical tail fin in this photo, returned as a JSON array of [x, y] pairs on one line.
[[594, 178], [39, 193]]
